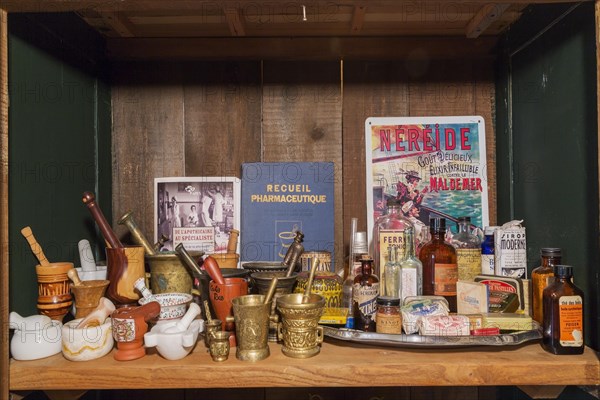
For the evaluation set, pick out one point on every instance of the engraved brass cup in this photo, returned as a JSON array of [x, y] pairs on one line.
[[299, 328], [212, 326], [219, 346], [285, 284], [168, 274], [252, 318]]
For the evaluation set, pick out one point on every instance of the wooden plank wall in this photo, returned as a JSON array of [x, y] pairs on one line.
[[203, 118]]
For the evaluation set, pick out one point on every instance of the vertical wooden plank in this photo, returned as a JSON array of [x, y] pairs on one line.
[[148, 136], [316, 393], [4, 364], [377, 393], [371, 89], [485, 94], [229, 394], [302, 121], [222, 103]]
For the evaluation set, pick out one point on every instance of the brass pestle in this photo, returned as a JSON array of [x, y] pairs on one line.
[[136, 234]]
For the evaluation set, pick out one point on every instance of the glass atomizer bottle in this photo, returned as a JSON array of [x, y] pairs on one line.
[[468, 251], [542, 276], [563, 314], [440, 272], [365, 292]]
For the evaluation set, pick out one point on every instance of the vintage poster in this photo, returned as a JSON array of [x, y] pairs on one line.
[[198, 212], [435, 166]]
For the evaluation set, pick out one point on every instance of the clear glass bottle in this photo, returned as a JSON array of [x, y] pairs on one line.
[[468, 250], [359, 250], [440, 272], [392, 274], [365, 293], [388, 230], [542, 276], [563, 314], [487, 251], [411, 268]]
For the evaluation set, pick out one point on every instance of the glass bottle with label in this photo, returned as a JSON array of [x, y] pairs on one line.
[[411, 268], [391, 274], [542, 276], [359, 250], [365, 292], [563, 314], [440, 272], [487, 251], [468, 251], [388, 230]]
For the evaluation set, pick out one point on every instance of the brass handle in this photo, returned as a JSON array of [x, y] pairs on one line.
[[319, 334]]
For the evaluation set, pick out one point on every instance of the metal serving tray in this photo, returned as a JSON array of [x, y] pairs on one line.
[[418, 341]]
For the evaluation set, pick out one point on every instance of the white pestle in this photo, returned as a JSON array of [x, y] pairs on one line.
[[99, 315], [86, 257], [183, 324], [140, 284], [31, 323]]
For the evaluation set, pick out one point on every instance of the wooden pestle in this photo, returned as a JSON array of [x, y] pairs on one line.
[[109, 235], [214, 271], [233, 241], [74, 276], [35, 247]]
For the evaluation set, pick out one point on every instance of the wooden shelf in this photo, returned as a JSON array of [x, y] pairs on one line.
[[336, 366]]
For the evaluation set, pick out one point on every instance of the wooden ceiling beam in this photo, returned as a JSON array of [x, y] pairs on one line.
[[301, 48], [118, 23], [358, 18], [487, 15], [183, 5], [235, 21]]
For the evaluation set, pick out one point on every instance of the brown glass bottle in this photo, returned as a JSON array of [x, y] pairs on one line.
[[563, 314], [440, 271], [541, 277], [364, 297]]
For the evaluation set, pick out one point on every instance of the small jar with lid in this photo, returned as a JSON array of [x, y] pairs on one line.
[[388, 319]]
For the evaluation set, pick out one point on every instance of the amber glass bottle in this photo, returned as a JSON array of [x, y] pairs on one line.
[[563, 314], [542, 276], [440, 271], [364, 297]]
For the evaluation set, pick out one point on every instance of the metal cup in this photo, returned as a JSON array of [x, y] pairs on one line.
[[252, 317], [299, 329], [219, 346], [212, 326]]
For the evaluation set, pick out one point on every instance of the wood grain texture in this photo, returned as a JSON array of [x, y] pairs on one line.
[[222, 102], [4, 266], [371, 89], [148, 137], [302, 121], [301, 48], [336, 366]]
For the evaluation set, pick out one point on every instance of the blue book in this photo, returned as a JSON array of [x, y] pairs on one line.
[[279, 199]]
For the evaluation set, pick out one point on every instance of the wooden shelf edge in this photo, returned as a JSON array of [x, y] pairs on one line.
[[336, 366]]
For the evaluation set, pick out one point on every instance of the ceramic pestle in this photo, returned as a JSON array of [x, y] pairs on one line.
[[31, 323], [140, 285], [86, 257], [99, 315], [182, 325]]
